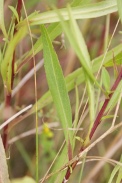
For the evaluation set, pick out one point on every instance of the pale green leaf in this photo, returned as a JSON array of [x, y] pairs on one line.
[[119, 5], [74, 36], [2, 24], [77, 77], [79, 2], [25, 179], [6, 67], [14, 12], [105, 79], [76, 39], [92, 10], [57, 85], [53, 30], [107, 117], [114, 98], [119, 177], [118, 169]]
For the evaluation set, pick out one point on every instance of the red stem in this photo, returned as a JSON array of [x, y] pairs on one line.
[[100, 114], [96, 123], [8, 96]]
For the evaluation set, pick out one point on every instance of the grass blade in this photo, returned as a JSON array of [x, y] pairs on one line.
[[92, 10], [2, 25], [119, 5], [57, 85], [6, 68]]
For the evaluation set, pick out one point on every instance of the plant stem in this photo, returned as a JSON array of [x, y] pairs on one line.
[[96, 123], [100, 114], [8, 95]]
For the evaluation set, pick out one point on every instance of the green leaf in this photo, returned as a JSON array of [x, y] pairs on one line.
[[53, 30], [57, 85], [105, 79], [76, 39], [77, 77], [14, 12], [77, 42], [79, 2], [119, 5], [119, 178], [92, 10], [114, 98], [107, 117], [118, 169], [6, 65], [25, 179], [2, 24]]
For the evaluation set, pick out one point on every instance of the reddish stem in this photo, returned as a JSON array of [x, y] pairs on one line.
[[96, 123], [100, 114], [8, 96]]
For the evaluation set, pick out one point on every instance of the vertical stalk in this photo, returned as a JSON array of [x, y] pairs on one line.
[[8, 95], [96, 124]]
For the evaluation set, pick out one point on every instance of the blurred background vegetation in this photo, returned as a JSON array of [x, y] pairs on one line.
[[22, 151]]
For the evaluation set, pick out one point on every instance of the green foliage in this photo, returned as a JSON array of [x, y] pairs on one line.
[[2, 24], [72, 115], [57, 85], [6, 65], [25, 179], [106, 79], [116, 169], [92, 10], [119, 5]]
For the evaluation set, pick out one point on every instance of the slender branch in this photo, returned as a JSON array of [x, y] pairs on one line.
[[96, 123], [100, 114], [8, 95]]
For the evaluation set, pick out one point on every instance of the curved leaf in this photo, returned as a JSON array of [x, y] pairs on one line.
[[92, 10]]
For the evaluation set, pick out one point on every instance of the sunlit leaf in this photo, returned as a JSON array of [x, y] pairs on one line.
[[6, 65], [119, 5], [57, 85], [2, 24], [105, 79], [114, 98], [25, 179], [92, 10], [119, 177], [14, 12]]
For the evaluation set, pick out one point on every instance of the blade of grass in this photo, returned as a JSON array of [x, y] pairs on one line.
[[6, 69], [77, 41], [119, 178], [57, 85], [2, 24], [53, 30], [119, 5], [79, 2], [75, 78], [92, 10], [115, 170]]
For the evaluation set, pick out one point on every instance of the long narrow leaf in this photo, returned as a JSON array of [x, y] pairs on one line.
[[92, 10], [119, 5], [77, 77], [6, 65], [2, 25], [57, 85]]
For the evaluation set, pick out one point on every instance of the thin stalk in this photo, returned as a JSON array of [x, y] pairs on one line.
[[95, 126], [8, 95], [36, 106]]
